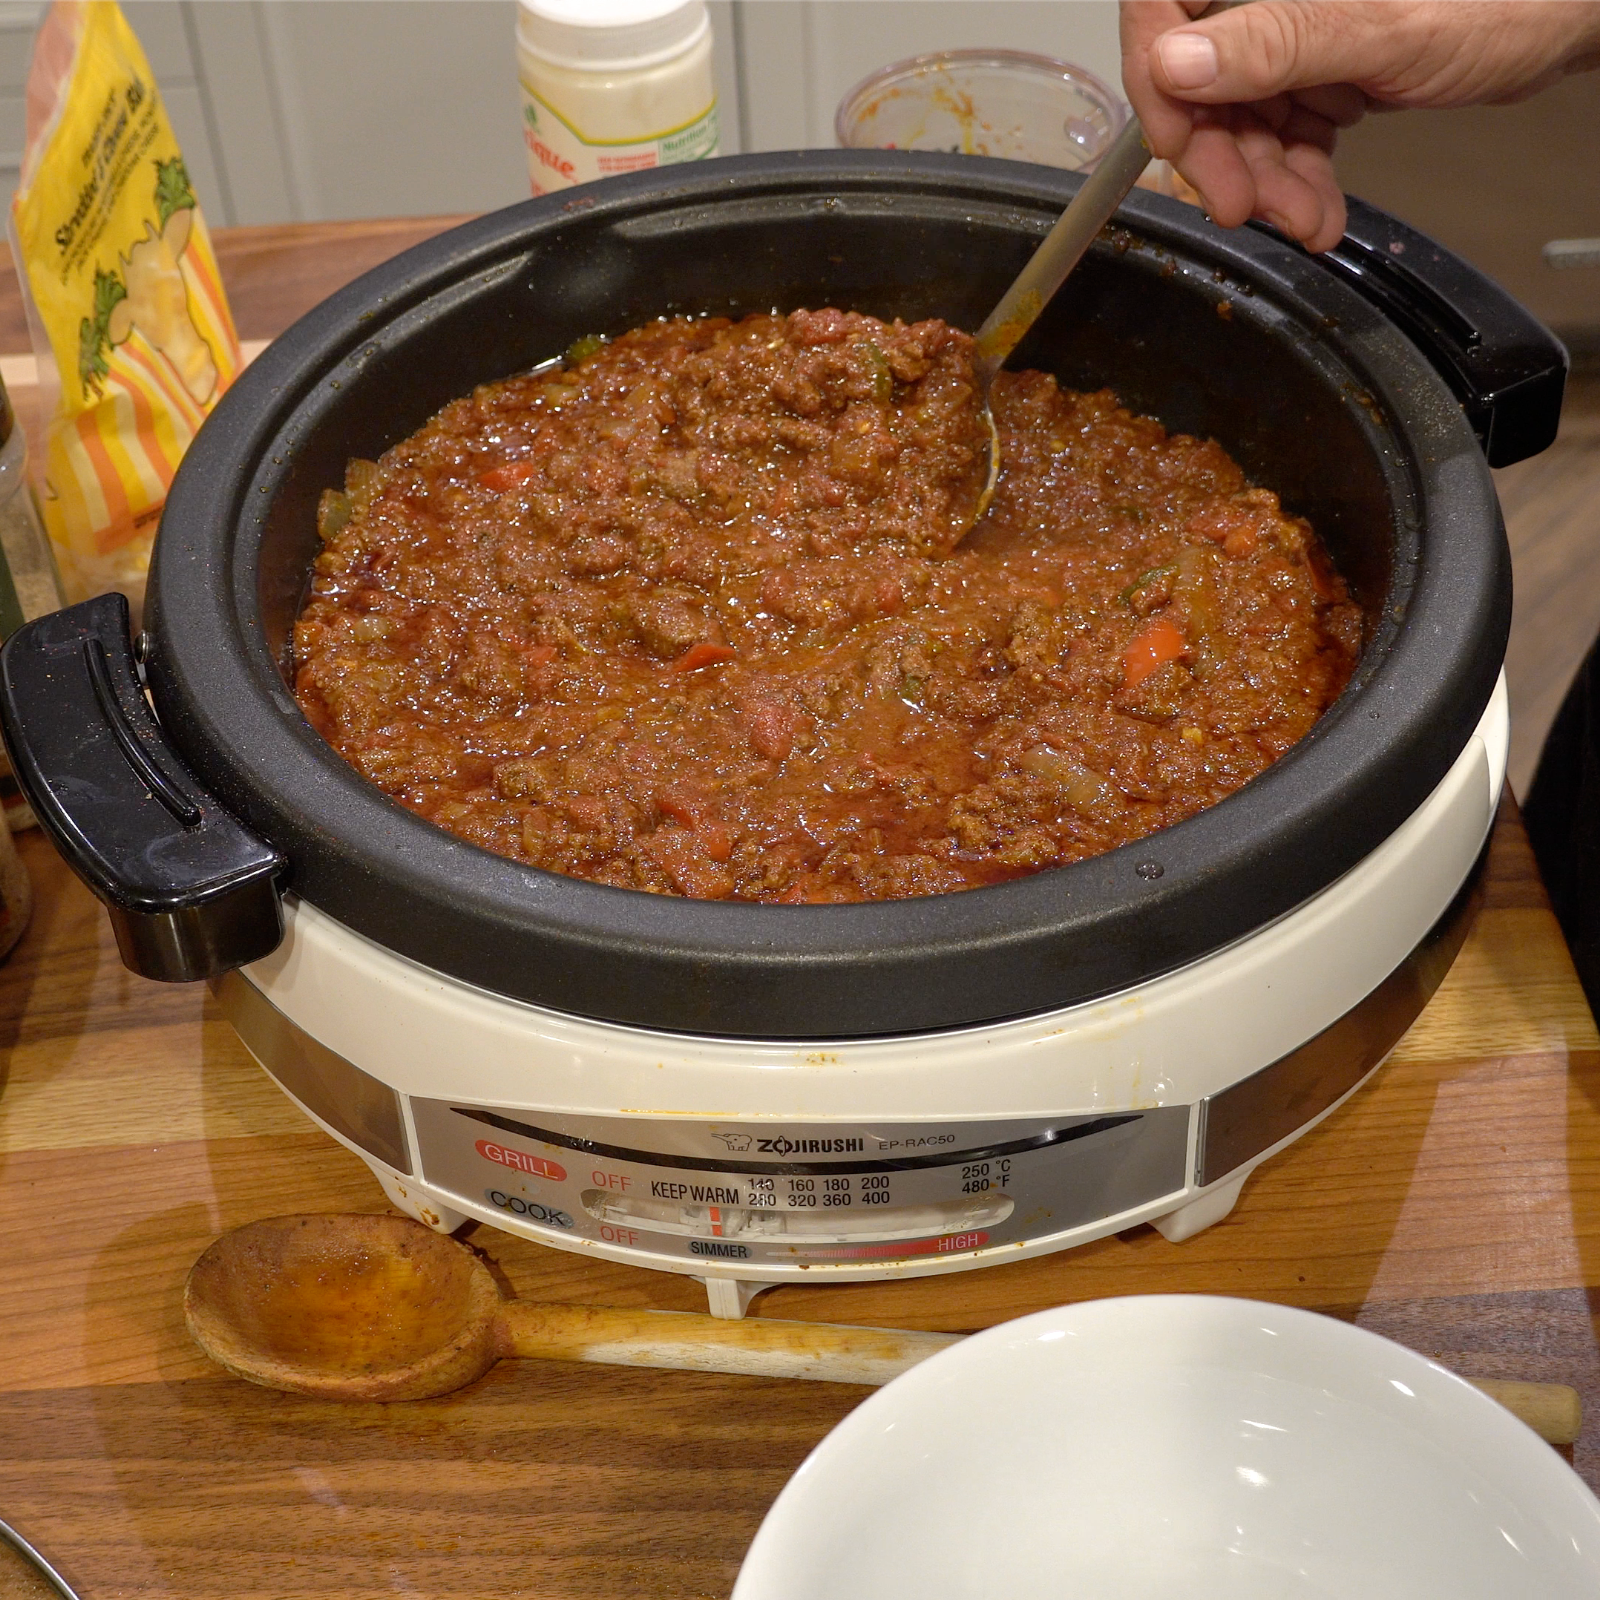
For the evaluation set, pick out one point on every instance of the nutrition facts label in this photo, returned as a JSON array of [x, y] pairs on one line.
[[799, 1192]]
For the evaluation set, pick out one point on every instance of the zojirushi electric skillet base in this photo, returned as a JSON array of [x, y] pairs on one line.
[[1114, 1006]]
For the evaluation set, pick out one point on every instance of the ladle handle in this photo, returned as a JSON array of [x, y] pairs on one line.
[[760, 1346], [1091, 209]]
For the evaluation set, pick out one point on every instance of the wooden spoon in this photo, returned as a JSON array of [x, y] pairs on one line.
[[350, 1307], [355, 1307]]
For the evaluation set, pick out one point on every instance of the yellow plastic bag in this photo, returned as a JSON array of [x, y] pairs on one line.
[[130, 324]]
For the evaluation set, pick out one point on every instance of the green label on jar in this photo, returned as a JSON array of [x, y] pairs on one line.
[[693, 143], [560, 155]]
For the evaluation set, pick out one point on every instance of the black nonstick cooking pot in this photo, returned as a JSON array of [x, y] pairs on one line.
[[1365, 388]]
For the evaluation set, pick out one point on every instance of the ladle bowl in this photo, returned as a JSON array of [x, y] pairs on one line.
[[1047, 269]]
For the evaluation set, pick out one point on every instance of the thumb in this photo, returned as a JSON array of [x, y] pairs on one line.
[[1253, 52]]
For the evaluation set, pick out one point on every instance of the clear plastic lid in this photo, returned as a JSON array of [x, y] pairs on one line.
[[610, 35], [985, 103]]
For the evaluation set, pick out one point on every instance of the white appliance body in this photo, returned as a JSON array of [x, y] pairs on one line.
[[754, 1162]]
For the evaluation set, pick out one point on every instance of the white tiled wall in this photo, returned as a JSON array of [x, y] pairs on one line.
[[17, 20], [306, 110], [303, 110]]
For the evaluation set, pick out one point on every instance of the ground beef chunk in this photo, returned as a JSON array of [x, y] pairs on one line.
[[688, 615]]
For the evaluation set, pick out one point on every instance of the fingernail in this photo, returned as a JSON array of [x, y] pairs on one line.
[[1188, 59], [1279, 221]]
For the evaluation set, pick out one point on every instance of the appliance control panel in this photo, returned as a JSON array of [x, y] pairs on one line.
[[796, 1193]]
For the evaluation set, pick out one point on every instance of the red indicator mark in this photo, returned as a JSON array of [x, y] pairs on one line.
[[950, 1244], [537, 1166]]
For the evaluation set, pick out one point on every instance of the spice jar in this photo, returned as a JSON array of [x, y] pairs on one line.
[[613, 86]]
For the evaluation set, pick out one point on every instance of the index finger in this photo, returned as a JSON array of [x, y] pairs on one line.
[[1167, 122]]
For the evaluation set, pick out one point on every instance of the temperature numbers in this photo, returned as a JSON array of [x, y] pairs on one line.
[[855, 1190], [980, 1177], [820, 1193]]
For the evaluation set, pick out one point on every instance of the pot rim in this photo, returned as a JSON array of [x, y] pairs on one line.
[[1036, 943]]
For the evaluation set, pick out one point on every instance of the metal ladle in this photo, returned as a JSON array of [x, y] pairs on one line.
[[1064, 247]]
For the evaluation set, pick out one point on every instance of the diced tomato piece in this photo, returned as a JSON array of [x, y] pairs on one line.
[[695, 808], [508, 476], [1323, 582], [773, 729], [715, 840], [687, 803], [1241, 541], [1151, 648], [681, 854], [587, 810], [703, 654], [808, 890], [538, 655]]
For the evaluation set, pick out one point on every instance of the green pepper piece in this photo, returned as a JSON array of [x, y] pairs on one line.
[[582, 348], [1126, 597], [882, 377]]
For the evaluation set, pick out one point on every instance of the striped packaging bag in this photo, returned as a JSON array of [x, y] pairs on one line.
[[125, 303]]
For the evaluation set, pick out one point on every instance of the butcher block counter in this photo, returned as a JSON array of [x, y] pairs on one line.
[[1453, 1204]]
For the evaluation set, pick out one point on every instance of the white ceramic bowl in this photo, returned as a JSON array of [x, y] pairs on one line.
[[1171, 1446]]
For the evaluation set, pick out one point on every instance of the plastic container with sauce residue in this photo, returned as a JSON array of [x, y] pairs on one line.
[[985, 103], [613, 86]]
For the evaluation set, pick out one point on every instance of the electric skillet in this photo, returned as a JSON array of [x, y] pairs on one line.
[[758, 1094]]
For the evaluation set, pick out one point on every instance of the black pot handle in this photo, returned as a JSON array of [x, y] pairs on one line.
[[190, 891], [1506, 368]]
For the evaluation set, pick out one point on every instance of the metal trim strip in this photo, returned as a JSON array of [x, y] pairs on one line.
[[357, 1106], [1252, 1115]]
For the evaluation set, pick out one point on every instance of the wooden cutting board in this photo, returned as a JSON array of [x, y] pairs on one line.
[[1454, 1204]]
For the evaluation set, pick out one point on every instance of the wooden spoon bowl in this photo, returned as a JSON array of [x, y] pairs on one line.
[[345, 1307]]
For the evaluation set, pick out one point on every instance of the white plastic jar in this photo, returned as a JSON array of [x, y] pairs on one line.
[[613, 86]]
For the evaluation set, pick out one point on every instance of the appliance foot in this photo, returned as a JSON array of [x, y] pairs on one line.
[[1212, 1206], [417, 1204], [729, 1297]]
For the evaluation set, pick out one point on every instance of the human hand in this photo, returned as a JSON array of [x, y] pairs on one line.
[[1247, 104]]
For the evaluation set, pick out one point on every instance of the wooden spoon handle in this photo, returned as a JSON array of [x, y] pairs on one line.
[[760, 1346], [1552, 1410], [834, 1353]]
